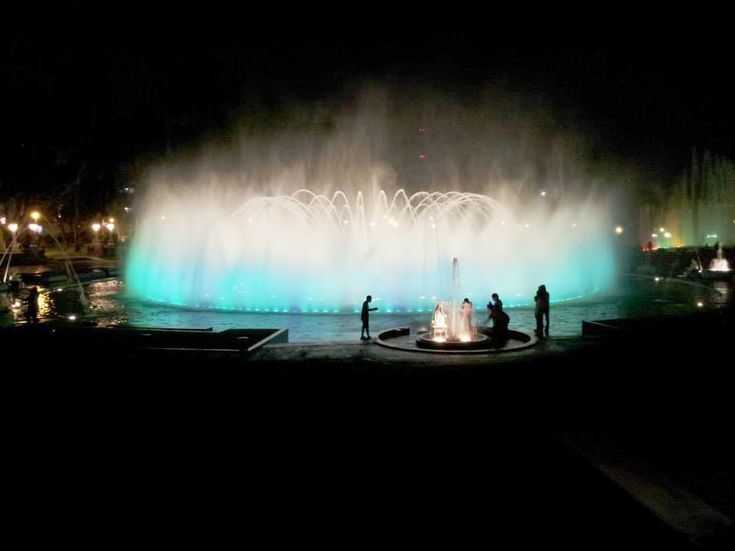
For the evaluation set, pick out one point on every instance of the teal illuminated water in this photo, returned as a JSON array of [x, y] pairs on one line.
[[309, 253], [633, 297]]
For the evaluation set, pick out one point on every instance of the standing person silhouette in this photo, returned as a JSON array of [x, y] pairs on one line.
[[542, 310], [365, 317], [467, 317]]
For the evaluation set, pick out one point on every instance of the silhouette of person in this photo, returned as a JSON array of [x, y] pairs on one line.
[[365, 317], [542, 310], [494, 308], [467, 317], [32, 306], [500, 328]]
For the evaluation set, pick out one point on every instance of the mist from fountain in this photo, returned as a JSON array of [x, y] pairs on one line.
[[312, 217]]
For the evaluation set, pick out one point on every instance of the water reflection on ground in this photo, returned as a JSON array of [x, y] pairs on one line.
[[636, 297]]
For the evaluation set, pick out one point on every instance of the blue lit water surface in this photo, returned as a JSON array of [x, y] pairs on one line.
[[634, 297]]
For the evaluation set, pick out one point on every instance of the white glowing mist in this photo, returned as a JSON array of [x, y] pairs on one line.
[[313, 217]]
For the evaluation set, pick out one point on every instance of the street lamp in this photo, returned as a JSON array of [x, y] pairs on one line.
[[96, 228], [13, 227]]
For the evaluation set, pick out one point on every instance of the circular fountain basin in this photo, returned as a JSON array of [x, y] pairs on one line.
[[400, 338], [478, 341]]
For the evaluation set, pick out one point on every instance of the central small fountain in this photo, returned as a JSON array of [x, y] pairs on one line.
[[451, 324]]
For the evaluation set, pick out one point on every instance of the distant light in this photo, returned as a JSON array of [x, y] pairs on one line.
[[71, 317], [619, 230], [35, 228], [657, 278], [126, 209], [96, 227], [110, 226], [3, 220], [543, 194], [110, 219], [35, 215], [59, 289], [667, 234], [422, 156], [422, 130], [700, 304], [654, 235], [13, 227], [163, 218], [662, 230], [526, 225]]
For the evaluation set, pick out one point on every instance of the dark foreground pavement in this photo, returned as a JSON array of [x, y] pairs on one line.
[[355, 449]]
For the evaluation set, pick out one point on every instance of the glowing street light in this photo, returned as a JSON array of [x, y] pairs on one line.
[[35, 215], [110, 226], [3, 220], [619, 229], [96, 227], [13, 227]]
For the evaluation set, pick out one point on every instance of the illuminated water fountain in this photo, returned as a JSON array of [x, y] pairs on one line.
[[311, 253], [376, 200], [719, 263], [452, 326], [719, 268]]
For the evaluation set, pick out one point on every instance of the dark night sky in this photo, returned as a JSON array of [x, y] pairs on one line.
[[104, 86]]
